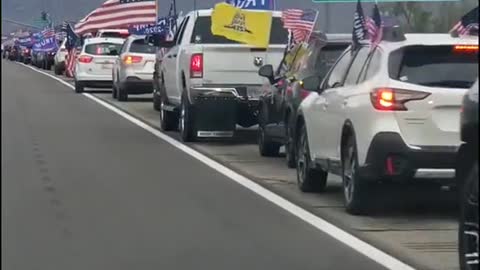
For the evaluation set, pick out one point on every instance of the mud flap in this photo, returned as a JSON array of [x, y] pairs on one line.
[[215, 117]]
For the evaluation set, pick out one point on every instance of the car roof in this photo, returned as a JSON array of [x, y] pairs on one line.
[[208, 12], [428, 39], [104, 39]]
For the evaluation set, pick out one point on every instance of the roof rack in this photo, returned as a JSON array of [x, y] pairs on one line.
[[393, 33]]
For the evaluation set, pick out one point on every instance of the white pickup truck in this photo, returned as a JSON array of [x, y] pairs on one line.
[[209, 84]]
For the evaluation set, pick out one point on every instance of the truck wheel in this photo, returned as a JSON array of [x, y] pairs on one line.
[[468, 223], [355, 189], [187, 121], [157, 103], [114, 91], [122, 94], [79, 87], [266, 146], [308, 178], [168, 120]]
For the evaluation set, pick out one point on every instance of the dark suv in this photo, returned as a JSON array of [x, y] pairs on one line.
[[278, 105], [467, 177]]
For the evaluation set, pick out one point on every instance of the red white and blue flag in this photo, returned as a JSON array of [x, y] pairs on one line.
[[300, 22], [48, 32], [467, 23], [118, 14], [374, 27]]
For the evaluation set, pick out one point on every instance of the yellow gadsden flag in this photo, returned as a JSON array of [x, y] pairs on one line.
[[250, 27]]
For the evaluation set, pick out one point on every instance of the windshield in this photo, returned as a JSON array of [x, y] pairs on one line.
[[141, 46], [203, 35], [436, 66], [103, 48]]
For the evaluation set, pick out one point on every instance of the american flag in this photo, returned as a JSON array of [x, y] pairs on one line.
[[70, 45], [118, 14], [300, 22], [468, 22], [375, 27]]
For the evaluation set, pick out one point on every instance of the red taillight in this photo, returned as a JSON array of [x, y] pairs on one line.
[[132, 59], [196, 66], [85, 59], [466, 48], [388, 99]]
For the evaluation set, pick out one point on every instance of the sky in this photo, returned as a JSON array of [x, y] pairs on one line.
[[336, 17]]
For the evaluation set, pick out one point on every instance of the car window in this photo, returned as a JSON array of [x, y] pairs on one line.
[[357, 65], [326, 58], [105, 48], [202, 33], [337, 73], [142, 46], [436, 66], [180, 30], [372, 66]]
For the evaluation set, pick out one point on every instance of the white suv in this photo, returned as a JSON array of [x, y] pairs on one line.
[[385, 114], [59, 59], [133, 69], [93, 66]]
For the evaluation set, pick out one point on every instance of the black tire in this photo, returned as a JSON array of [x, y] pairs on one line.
[[168, 120], [122, 94], [290, 151], [114, 91], [79, 87], [156, 101], [266, 146], [355, 189], [309, 179], [186, 121], [57, 69], [468, 222]]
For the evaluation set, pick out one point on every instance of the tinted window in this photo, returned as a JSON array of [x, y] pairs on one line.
[[102, 48], [327, 57], [338, 72], [141, 46], [202, 33], [437, 66], [357, 65], [114, 35], [182, 31]]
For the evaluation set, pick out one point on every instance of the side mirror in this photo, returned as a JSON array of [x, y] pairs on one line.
[[267, 72], [311, 83]]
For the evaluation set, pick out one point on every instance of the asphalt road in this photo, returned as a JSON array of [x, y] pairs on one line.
[[82, 188]]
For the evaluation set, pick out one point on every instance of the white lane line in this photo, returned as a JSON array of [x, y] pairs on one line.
[[353, 242]]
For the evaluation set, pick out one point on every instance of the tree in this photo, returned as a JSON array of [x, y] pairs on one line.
[[411, 15]]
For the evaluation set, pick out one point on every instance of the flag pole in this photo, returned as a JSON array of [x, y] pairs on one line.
[[313, 28], [156, 11]]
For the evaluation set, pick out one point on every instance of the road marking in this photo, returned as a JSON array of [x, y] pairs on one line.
[[353, 242]]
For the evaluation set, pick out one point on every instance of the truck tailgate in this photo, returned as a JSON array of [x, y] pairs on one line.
[[237, 64]]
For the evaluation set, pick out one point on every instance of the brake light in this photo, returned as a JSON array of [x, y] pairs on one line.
[[85, 59], [196, 66], [389, 99], [132, 59], [466, 48]]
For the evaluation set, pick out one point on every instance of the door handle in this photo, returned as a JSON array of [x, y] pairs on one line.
[[174, 56], [170, 56]]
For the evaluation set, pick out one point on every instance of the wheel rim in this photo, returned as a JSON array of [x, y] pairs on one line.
[[470, 229], [302, 160], [162, 116], [348, 175]]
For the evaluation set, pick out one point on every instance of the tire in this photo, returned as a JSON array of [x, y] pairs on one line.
[[156, 102], [57, 69], [187, 121], [79, 87], [122, 94], [114, 91], [355, 189], [290, 151], [308, 178], [168, 120], [468, 222], [266, 146]]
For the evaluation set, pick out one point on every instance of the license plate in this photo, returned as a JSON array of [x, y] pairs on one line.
[[106, 66]]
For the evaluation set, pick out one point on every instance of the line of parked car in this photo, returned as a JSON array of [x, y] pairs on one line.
[[391, 113]]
